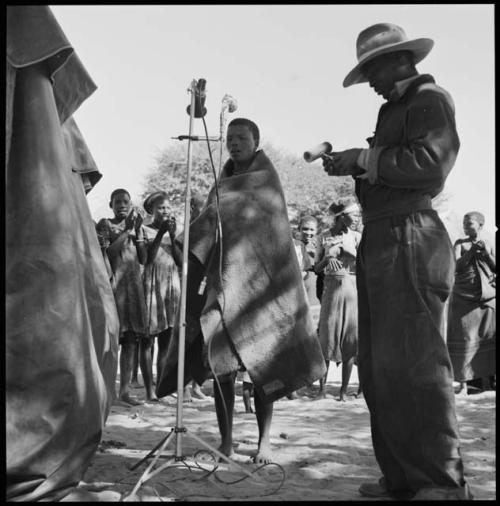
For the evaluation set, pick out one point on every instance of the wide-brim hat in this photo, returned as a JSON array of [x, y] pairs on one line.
[[151, 199], [384, 38]]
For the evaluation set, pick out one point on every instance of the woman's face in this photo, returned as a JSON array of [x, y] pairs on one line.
[[471, 226], [121, 205], [352, 219], [240, 143], [160, 210], [309, 230]]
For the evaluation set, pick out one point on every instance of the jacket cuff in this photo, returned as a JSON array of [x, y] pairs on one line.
[[368, 160]]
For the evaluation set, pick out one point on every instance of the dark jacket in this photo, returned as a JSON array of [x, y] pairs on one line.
[[420, 145]]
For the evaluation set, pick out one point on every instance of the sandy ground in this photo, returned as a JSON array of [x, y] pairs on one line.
[[323, 448]]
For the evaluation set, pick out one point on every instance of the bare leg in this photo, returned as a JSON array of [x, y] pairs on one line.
[[224, 407], [321, 394], [247, 393], [146, 363], [186, 396], [134, 383], [346, 376], [152, 358], [264, 414], [161, 358], [126, 363], [462, 391]]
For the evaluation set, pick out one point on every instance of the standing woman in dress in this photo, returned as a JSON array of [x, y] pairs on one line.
[[471, 325], [338, 320], [161, 280], [122, 241]]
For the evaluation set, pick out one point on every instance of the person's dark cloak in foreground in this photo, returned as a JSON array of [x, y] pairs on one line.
[[61, 321], [254, 310]]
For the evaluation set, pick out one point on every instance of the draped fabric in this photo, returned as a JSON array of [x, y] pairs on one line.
[[61, 320], [254, 310], [472, 322]]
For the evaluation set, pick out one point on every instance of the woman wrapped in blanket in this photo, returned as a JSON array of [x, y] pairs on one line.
[[471, 319], [246, 304]]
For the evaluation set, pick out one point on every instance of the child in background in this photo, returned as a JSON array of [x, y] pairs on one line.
[[471, 318], [121, 239], [161, 280], [308, 228]]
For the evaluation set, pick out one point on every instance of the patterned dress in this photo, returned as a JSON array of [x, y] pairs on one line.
[[126, 279], [338, 319], [162, 285]]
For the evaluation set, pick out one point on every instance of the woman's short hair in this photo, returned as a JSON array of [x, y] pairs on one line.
[[477, 216], [116, 192], [251, 126], [308, 219], [152, 199]]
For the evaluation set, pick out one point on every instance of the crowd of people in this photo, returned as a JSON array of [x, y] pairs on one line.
[[381, 275]]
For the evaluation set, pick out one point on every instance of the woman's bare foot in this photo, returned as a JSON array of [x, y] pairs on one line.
[[152, 398], [125, 397], [135, 384], [320, 395], [263, 455]]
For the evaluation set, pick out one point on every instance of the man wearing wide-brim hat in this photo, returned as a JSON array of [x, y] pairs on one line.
[[405, 270]]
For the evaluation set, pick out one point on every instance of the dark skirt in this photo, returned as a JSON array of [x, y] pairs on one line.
[[472, 338]]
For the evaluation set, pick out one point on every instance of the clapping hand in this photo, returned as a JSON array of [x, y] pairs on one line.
[[130, 220], [168, 225], [138, 222], [479, 248]]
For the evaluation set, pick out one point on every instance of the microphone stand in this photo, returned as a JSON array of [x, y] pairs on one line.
[[179, 430]]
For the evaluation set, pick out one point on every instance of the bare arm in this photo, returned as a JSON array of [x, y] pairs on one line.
[[142, 251], [176, 250]]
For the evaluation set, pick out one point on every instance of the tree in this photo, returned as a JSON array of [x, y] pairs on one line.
[[443, 204]]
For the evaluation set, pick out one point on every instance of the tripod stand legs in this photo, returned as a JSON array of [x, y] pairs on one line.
[[148, 474]]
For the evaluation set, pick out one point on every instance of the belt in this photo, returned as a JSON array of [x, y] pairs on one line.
[[423, 204]]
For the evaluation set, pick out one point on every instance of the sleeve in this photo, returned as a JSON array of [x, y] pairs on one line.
[[430, 148], [320, 250], [306, 259], [101, 225]]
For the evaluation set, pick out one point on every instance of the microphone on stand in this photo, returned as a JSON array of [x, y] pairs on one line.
[[229, 103], [200, 95]]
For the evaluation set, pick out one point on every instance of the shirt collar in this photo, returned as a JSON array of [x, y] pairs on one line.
[[400, 87]]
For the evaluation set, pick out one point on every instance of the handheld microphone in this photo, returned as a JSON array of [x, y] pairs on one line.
[[199, 99], [316, 152]]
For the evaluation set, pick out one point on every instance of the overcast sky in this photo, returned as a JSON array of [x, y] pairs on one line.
[[285, 65]]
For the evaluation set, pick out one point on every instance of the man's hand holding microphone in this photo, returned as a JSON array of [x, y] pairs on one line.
[[336, 163]]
